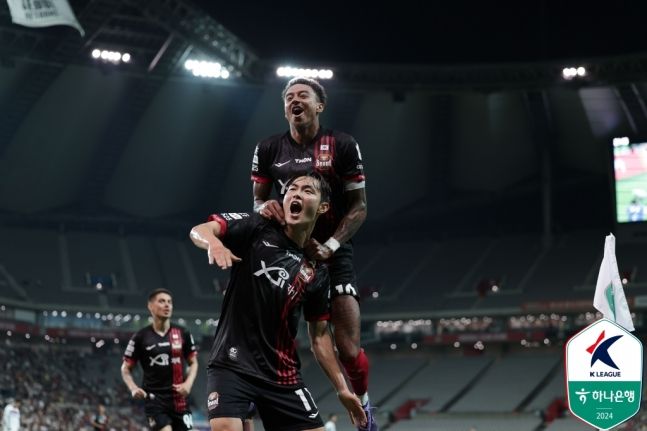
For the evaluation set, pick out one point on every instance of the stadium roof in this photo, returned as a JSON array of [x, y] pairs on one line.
[[424, 32]]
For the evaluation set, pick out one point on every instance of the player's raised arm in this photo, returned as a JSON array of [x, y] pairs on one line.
[[207, 236], [322, 347]]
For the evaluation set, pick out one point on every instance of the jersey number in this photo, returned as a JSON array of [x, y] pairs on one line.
[[188, 421], [304, 399]]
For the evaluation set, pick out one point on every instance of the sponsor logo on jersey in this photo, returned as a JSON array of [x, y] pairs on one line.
[[303, 160], [164, 344], [151, 347], [176, 360], [212, 400], [234, 216], [176, 346], [161, 359], [281, 274], [255, 160], [130, 348], [278, 165], [233, 353], [293, 256]]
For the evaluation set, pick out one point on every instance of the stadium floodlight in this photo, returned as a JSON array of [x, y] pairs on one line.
[[571, 72], [207, 69], [108, 56], [293, 72]]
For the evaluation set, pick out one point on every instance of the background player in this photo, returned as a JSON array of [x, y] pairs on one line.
[[163, 349]]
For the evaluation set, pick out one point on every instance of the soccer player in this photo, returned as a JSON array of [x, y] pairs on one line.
[[163, 349], [254, 356], [100, 419], [308, 147]]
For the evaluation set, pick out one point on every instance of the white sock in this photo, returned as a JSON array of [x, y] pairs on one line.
[[364, 398]]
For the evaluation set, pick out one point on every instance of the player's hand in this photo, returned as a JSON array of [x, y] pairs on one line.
[[221, 255], [354, 407], [272, 210], [183, 389], [317, 251], [138, 393]]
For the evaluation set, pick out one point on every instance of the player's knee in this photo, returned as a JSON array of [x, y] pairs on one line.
[[226, 424]]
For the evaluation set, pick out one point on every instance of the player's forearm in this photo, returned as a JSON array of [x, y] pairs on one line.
[[350, 224], [193, 372], [205, 234], [322, 348], [127, 377]]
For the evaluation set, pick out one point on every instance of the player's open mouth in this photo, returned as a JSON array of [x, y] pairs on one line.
[[297, 110], [295, 208]]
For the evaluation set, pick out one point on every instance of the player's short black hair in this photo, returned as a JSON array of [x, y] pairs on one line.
[[324, 187], [319, 90], [156, 292]]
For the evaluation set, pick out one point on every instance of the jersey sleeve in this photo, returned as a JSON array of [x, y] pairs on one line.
[[237, 229], [316, 306], [189, 349], [261, 164], [133, 350], [350, 167]]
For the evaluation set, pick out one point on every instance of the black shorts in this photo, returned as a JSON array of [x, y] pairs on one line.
[[342, 273], [280, 409], [160, 413]]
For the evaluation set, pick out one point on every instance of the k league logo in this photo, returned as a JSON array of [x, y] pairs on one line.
[[604, 374]]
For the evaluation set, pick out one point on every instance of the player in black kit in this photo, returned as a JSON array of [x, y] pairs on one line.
[[254, 356], [308, 147], [163, 349]]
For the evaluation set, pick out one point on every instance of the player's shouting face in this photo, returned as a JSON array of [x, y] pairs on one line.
[[301, 105], [161, 306], [303, 201]]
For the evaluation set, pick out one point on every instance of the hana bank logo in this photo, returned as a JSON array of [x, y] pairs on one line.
[[600, 352]]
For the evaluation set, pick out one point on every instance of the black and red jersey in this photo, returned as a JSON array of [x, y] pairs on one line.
[[333, 154], [163, 360], [262, 306]]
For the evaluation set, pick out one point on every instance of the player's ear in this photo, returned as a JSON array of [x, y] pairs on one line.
[[320, 108], [323, 207]]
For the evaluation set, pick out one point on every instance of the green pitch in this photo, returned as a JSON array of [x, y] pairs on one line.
[[624, 194]]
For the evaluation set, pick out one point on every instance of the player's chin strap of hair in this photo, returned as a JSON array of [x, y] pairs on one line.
[[332, 244]]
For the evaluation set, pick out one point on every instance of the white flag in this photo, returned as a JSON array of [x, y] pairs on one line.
[[609, 296], [43, 13]]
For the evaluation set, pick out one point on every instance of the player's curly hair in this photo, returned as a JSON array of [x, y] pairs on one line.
[[319, 90]]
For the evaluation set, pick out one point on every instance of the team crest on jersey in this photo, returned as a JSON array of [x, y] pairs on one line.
[[212, 401], [324, 161], [306, 272]]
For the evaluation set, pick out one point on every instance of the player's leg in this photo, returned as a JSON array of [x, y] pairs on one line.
[[160, 422], [229, 399], [346, 319]]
